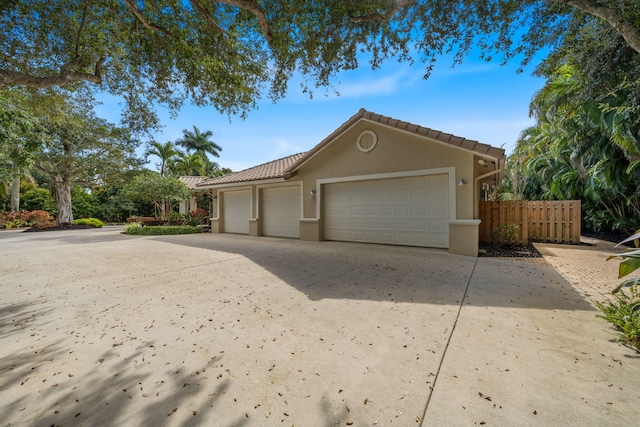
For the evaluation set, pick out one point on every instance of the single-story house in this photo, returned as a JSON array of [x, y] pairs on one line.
[[375, 179], [191, 204]]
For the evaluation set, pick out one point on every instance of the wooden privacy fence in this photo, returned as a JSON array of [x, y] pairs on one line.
[[541, 221]]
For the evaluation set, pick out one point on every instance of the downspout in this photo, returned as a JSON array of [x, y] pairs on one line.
[[476, 193]]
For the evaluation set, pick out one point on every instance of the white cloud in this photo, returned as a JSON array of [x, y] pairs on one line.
[[284, 148], [384, 85]]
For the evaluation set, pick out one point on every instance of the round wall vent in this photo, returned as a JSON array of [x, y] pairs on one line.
[[367, 141]]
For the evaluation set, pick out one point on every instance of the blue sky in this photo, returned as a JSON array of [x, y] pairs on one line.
[[476, 100]]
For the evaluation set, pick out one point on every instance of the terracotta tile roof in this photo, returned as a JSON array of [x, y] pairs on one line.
[[192, 181], [270, 170], [287, 166], [446, 138]]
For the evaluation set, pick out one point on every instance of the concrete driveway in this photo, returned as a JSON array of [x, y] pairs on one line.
[[100, 328]]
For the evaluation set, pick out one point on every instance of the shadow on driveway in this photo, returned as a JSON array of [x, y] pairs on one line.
[[395, 273]]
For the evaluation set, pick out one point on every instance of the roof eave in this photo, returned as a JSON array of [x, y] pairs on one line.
[[241, 183]]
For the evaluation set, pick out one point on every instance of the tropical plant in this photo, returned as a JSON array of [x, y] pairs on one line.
[[185, 164], [132, 228], [197, 217], [14, 219], [624, 314], [39, 218], [199, 142], [165, 152], [630, 261], [576, 150]]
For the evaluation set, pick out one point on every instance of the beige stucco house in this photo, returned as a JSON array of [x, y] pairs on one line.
[[374, 179], [191, 204]]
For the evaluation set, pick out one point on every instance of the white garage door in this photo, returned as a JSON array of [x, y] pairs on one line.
[[411, 211], [281, 212], [237, 210]]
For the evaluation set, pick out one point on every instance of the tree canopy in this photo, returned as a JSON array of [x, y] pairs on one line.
[[230, 53], [580, 150], [154, 188]]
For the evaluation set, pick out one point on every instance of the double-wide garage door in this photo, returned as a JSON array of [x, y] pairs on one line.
[[411, 211]]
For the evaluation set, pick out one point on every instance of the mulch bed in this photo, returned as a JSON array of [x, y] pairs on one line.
[[515, 251], [529, 251], [58, 227]]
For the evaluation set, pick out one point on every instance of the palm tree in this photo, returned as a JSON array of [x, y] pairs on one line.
[[199, 142], [187, 164], [165, 152]]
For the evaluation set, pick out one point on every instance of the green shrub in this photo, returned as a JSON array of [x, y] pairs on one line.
[[37, 199], [159, 230], [132, 228], [93, 222], [505, 234], [624, 314], [174, 216]]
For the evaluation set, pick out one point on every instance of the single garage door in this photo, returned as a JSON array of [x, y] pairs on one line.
[[281, 212], [411, 211], [237, 210]]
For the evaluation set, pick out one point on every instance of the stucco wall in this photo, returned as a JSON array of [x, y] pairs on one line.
[[395, 151]]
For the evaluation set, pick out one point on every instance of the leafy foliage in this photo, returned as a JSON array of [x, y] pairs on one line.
[[577, 151], [93, 222], [197, 217], [38, 199], [132, 228], [22, 218], [80, 149], [630, 261], [624, 314], [153, 188], [505, 234], [40, 218], [165, 152], [229, 53]]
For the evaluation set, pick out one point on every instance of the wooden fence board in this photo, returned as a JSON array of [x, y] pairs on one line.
[[542, 221]]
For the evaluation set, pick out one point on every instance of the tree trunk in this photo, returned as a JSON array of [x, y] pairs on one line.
[[62, 188], [15, 190], [625, 27]]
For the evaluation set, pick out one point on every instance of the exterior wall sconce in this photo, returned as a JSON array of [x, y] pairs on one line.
[[312, 192], [461, 182], [483, 162]]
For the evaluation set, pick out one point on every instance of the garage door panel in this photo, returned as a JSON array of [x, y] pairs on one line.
[[401, 210], [404, 211], [281, 212], [419, 210], [237, 209], [419, 224]]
